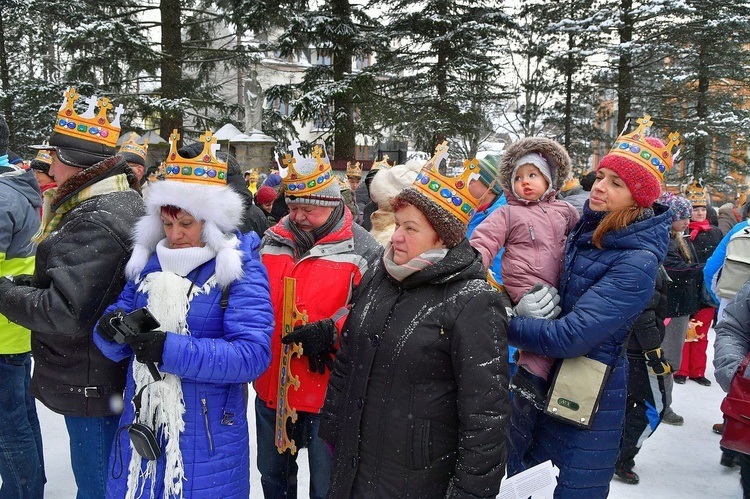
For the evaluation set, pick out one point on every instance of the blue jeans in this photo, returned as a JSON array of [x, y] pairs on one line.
[[21, 458], [90, 442], [278, 472]]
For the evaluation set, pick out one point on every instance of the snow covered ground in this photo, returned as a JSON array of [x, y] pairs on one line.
[[676, 462]]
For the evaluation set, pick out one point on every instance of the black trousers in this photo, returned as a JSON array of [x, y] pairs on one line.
[[645, 407]]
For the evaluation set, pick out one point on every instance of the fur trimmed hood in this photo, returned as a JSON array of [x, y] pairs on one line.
[[555, 154], [218, 206]]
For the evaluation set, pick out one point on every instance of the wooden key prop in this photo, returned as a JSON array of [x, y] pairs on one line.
[[286, 380]]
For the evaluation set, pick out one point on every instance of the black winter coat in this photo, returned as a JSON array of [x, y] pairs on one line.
[[648, 331], [705, 243], [79, 272], [683, 293], [417, 403]]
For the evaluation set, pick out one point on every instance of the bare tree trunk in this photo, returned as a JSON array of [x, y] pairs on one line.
[[343, 105], [171, 64], [700, 165], [4, 75], [625, 69]]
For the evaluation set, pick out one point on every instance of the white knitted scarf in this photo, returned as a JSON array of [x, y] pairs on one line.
[[169, 296]]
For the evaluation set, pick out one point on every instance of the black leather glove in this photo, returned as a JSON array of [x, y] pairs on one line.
[[317, 340], [105, 328], [148, 346], [656, 362]]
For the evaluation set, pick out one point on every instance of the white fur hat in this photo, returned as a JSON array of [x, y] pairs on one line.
[[217, 205], [388, 183]]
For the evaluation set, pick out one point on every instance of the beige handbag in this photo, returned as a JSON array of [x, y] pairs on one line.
[[576, 390]]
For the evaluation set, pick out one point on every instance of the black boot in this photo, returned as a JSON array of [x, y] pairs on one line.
[[627, 476]]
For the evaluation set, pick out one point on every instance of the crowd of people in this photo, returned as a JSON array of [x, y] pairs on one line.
[[420, 335]]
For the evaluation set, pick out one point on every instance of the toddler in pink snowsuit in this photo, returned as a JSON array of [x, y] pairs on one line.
[[532, 228]]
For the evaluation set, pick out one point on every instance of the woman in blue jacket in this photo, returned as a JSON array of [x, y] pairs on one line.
[[611, 261], [204, 283]]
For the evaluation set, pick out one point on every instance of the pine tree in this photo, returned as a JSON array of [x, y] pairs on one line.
[[438, 72], [705, 85]]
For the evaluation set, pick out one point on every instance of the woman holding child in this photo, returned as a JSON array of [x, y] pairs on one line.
[[611, 261]]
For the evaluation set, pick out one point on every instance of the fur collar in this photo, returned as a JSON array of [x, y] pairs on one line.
[[87, 176]]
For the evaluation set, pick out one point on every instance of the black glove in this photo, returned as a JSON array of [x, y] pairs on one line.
[[148, 346], [6, 284], [317, 340], [24, 280], [105, 328], [656, 362]]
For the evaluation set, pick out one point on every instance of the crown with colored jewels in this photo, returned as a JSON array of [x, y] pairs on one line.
[[635, 148], [306, 185], [43, 155], [203, 169], [91, 126], [450, 193], [697, 193], [382, 164], [133, 147], [354, 170]]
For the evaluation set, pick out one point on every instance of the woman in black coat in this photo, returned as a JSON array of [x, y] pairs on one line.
[[417, 403], [683, 292]]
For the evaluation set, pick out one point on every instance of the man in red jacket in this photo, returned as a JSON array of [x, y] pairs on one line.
[[318, 245]]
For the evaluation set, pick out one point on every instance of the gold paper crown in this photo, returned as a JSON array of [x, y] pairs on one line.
[[635, 148], [130, 145], [90, 126], [306, 185], [353, 170], [697, 193], [43, 155], [450, 193], [382, 164], [202, 169]]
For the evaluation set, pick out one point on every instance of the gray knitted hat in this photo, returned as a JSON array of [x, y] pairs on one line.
[[330, 195]]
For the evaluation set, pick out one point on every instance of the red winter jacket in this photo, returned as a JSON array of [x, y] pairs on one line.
[[326, 277]]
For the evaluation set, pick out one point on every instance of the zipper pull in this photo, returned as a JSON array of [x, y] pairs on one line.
[[531, 232]]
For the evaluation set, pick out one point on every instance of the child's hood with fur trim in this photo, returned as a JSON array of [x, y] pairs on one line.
[[555, 154]]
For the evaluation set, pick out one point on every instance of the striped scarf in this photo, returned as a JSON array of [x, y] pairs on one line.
[[51, 219], [419, 262], [305, 240]]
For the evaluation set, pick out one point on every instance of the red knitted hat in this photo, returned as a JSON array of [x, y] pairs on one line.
[[265, 195], [643, 183]]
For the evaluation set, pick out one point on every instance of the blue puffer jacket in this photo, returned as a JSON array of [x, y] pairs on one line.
[[226, 348], [603, 292]]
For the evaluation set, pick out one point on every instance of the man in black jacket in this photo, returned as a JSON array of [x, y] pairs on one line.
[[80, 264]]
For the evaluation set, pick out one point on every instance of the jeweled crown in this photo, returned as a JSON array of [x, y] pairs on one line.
[[305, 184], [43, 155], [93, 126], [697, 193], [450, 193], [353, 170], [634, 147], [202, 169], [130, 145], [382, 164]]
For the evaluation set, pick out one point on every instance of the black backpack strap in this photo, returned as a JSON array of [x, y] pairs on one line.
[[224, 297]]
